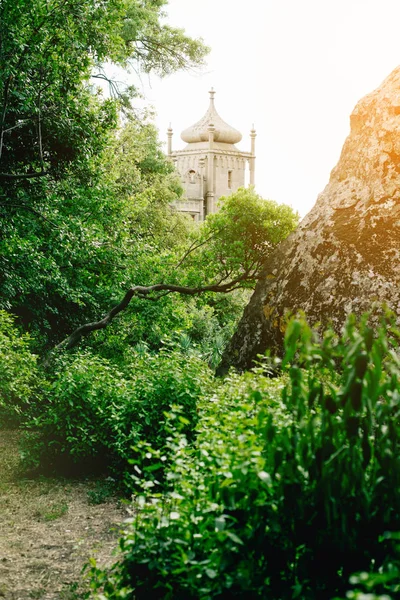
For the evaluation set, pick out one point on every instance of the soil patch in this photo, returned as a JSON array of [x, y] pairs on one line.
[[49, 528]]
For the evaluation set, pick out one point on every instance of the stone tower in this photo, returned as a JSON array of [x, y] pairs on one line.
[[210, 166]]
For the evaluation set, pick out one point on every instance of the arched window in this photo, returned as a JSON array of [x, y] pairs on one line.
[[192, 176], [229, 180]]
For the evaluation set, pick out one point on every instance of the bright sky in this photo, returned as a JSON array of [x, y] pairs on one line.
[[296, 68]]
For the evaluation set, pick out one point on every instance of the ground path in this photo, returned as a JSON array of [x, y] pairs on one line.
[[48, 530]]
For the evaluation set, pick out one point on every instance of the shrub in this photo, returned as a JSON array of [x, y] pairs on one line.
[[381, 585], [96, 413], [279, 497], [19, 377]]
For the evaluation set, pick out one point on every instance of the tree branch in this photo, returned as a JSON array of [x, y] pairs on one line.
[[32, 210], [23, 175], [17, 125], [4, 112], [194, 246], [145, 292], [39, 122]]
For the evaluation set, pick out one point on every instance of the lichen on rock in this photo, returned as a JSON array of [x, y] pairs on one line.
[[345, 254]]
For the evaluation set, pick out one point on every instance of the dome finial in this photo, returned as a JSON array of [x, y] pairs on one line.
[[212, 94]]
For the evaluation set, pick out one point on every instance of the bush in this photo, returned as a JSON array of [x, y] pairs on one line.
[[19, 377], [280, 497], [381, 585], [95, 413]]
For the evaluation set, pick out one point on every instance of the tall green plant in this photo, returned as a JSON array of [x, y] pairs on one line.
[[280, 497]]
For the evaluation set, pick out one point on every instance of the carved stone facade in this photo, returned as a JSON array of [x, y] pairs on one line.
[[210, 165]]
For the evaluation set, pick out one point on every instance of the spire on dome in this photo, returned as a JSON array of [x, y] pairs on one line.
[[223, 132]]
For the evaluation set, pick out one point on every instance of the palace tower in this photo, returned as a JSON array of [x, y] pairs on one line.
[[210, 165]]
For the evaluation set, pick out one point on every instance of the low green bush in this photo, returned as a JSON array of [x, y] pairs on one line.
[[288, 486], [379, 585], [95, 413], [19, 376]]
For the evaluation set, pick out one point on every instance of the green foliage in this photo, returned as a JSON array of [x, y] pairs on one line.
[[227, 250], [95, 412], [19, 376], [69, 258], [381, 585], [242, 234], [288, 487], [50, 48], [208, 323], [104, 490], [53, 512], [72, 223], [157, 47]]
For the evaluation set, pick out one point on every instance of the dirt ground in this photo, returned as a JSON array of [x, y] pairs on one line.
[[49, 528]]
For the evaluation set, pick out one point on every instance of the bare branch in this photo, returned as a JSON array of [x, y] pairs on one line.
[[32, 210], [4, 112], [40, 122], [146, 292], [191, 249], [19, 124], [23, 175]]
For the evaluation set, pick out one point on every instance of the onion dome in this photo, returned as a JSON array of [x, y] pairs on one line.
[[223, 132]]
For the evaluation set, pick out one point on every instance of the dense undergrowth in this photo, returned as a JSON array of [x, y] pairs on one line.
[[95, 412], [291, 485], [252, 487]]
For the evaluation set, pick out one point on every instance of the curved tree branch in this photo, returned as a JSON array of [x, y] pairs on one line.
[[23, 175], [147, 292], [30, 209]]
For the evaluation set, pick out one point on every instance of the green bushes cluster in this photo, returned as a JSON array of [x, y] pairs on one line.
[[287, 489], [95, 412], [252, 487], [19, 376]]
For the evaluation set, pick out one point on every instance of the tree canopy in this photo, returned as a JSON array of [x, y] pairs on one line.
[[67, 218], [49, 50]]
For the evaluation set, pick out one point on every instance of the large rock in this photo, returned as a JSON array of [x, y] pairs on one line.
[[346, 252]]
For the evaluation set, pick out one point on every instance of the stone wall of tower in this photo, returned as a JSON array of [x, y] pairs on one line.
[[191, 173], [229, 174]]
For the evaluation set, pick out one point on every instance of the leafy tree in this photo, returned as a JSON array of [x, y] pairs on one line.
[[63, 233], [234, 242], [85, 209], [48, 51], [64, 258], [225, 254]]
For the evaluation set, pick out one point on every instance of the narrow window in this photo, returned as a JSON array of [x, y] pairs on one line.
[[229, 180], [192, 175]]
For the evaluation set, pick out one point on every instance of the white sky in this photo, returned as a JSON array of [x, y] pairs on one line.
[[296, 68]]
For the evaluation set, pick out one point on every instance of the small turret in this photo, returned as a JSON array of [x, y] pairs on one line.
[[169, 135]]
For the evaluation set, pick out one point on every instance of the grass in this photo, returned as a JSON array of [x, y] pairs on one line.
[[50, 527]]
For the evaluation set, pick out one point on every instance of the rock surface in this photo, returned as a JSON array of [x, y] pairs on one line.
[[346, 252]]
